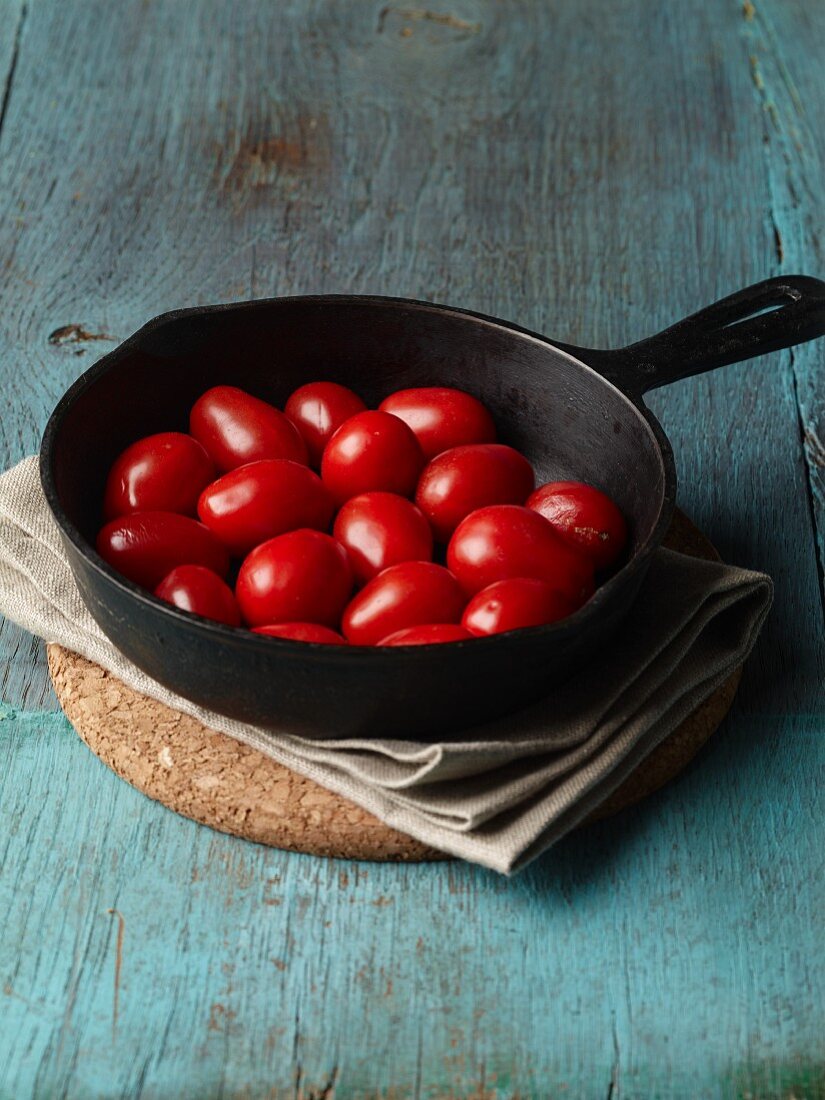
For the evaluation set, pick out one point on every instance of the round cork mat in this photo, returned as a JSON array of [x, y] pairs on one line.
[[219, 782]]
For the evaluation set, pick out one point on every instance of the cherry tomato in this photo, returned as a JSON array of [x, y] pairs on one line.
[[412, 593], [255, 502], [303, 576], [196, 588], [584, 517], [504, 540], [465, 478], [302, 632], [147, 545], [371, 451], [513, 604], [382, 529], [318, 409], [441, 417], [160, 473], [236, 428], [429, 634]]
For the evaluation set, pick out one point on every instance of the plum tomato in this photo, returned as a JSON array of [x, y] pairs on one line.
[[317, 410], [428, 634], [302, 632], [256, 502], [371, 451], [147, 545], [302, 576], [505, 540], [463, 479], [513, 604], [382, 529], [196, 588], [159, 473], [412, 593], [584, 517], [441, 417], [236, 428]]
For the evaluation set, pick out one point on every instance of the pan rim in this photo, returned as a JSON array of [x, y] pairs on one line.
[[245, 638]]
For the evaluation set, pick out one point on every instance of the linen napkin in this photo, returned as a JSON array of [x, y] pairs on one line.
[[507, 790]]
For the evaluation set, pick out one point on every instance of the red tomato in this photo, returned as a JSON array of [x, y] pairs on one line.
[[318, 409], [584, 517], [254, 503], [160, 473], [465, 478], [146, 546], [430, 634], [372, 450], [412, 593], [302, 632], [196, 588], [236, 428], [303, 576], [504, 540], [441, 417], [382, 529], [513, 604]]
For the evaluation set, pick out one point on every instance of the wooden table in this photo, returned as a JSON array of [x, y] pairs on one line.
[[591, 170]]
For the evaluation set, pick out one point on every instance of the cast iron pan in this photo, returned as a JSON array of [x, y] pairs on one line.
[[575, 413]]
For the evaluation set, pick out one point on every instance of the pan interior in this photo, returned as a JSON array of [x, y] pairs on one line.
[[567, 420]]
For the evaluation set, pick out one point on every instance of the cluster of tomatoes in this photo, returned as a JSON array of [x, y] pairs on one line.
[[395, 486]]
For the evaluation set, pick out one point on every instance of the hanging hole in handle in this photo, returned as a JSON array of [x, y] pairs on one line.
[[757, 313], [791, 294]]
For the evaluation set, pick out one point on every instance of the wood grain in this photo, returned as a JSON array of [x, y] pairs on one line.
[[794, 160], [593, 171]]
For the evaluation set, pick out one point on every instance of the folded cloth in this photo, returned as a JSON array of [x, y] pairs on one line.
[[507, 790]]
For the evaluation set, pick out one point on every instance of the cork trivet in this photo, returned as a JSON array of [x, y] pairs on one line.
[[219, 782]]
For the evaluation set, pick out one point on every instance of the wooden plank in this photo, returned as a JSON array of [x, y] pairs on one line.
[[552, 164], [22, 662], [244, 971], [789, 88]]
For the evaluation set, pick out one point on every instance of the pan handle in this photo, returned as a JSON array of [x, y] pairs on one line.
[[767, 316]]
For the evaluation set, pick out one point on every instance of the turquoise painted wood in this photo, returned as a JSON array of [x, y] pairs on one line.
[[593, 171]]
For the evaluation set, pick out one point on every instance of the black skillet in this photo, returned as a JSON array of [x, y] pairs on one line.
[[575, 413]]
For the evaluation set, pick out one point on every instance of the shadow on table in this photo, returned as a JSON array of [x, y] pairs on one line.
[[586, 857]]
